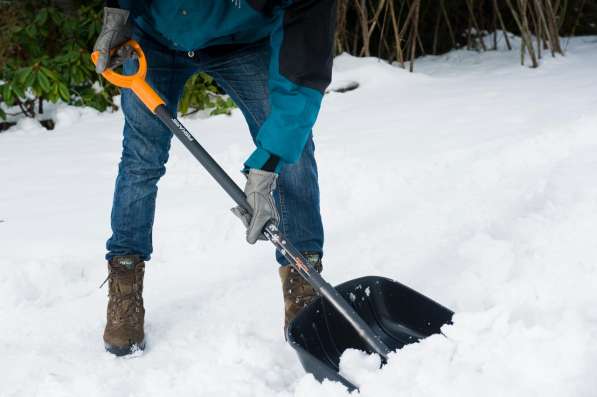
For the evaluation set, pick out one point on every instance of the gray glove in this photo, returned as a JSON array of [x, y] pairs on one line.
[[259, 188], [116, 30]]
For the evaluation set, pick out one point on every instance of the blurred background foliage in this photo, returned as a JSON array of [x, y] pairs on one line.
[[44, 44], [44, 57]]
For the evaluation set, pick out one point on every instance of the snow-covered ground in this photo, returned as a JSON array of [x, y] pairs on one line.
[[472, 181]]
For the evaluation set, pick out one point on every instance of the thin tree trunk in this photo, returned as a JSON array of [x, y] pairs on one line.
[[436, 31], [447, 18], [397, 35], [380, 8], [522, 22], [382, 34], [363, 19], [542, 26], [529, 41], [473, 20], [503, 26], [551, 21], [414, 34]]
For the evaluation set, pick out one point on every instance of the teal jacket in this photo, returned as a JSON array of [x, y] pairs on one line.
[[301, 36]]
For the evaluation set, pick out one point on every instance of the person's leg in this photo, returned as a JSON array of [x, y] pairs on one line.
[[297, 196], [243, 74], [145, 149]]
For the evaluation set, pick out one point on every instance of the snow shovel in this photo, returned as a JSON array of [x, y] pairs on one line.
[[382, 315]]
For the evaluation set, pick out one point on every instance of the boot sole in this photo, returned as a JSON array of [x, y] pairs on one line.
[[126, 350]]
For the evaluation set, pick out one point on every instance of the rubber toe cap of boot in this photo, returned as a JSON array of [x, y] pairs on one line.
[[124, 350]]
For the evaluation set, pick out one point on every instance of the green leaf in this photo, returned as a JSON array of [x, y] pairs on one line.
[[77, 75], [41, 17], [23, 74], [49, 73], [37, 90], [206, 78], [63, 91], [31, 31], [29, 80], [53, 95], [18, 90], [43, 81], [7, 94]]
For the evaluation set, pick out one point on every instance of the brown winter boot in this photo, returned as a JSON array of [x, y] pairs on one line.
[[124, 327], [297, 292]]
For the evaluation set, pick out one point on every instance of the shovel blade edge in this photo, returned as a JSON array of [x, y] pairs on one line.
[[398, 314]]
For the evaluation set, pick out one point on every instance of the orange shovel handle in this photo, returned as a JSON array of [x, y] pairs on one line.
[[135, 82]]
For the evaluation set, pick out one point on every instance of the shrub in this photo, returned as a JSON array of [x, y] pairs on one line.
[[44, 57], [201, 92], [48, 59]]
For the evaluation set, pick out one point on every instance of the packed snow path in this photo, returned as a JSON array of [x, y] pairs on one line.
[[472, 181]]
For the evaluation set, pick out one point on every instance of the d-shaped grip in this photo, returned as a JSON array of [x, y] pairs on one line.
[[135, 82]]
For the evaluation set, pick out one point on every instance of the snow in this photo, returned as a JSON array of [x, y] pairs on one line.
[[471, 181]]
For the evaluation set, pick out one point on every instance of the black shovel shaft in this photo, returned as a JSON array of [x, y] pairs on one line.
[[204, 158], [294, 257]]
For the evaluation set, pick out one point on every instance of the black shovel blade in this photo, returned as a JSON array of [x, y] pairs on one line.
[[396, 313]]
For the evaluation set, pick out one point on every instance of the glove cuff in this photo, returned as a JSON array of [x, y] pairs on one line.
[[115, 16], [258, 179]]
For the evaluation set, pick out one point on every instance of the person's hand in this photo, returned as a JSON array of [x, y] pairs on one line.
[[259, 188], [116, 30]]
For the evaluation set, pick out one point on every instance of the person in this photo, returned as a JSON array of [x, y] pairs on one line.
[[274, 59]]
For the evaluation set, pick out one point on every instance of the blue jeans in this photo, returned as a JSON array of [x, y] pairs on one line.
[[242, 71]]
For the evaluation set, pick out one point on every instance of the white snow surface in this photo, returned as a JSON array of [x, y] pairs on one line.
[[471, 181]]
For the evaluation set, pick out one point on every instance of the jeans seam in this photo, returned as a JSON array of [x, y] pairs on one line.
[[283, 211], [222, 81]]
